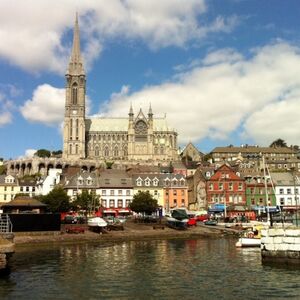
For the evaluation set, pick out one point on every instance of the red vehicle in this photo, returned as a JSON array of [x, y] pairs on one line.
[[192, 220], [202, 218]]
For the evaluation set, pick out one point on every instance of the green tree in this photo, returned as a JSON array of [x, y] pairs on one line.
[[2, 170], [109, 164], [57, 200], [56, 153], [143, 202], [42, 153], [87, 201], [278, 143]]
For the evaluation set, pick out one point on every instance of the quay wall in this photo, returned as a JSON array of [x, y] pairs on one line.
[[7, 248], [281, 245]]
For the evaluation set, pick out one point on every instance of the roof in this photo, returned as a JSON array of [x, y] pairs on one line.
[[22, 201], [253, 149], [120, 124], [284, 178]]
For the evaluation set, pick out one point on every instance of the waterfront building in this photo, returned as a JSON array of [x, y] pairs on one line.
[[287, 188], [28, 186], [113, 187], [175, 191], [9, 187], [191, 153], [149, 182], [256, 193], [46, 183], [197, 190], [226, 187], [140, 137]]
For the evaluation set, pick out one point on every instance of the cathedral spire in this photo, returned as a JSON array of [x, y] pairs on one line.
[[150, 113], [76, 64], [130, 110]]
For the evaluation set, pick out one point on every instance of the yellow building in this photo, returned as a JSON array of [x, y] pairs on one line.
[[151, 183], [8, 188]]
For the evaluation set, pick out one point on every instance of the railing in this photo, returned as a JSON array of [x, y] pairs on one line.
[[5, 224]]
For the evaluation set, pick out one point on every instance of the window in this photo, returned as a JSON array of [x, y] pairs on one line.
[[289, 191], [182, 202], [175, 192], [27, 188], [112, 192], [147, 182], [127, 202], [240, 186], [281, 201], [210, 187], [281, 192], [175, 201], [139, 182], [182, 192], [120, 203], [221, 186], [119, 192], [74, 93], [104, 192], [127, 192], [111, 203], [230, 187], [5, 188], [155, 193]]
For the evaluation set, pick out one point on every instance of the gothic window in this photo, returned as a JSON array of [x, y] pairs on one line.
[[97, 151], [125, 151], [106, 151], [77, 130], [76, 149], [71, 128], [74, 93], [116, 151], [70, 149], [140, 128]]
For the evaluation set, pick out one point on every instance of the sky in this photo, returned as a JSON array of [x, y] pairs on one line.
[[223, 71]]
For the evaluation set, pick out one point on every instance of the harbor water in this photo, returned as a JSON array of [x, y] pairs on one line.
[[160, 269]]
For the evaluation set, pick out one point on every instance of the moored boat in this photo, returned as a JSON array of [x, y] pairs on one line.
[[97, 222], [250, 238]]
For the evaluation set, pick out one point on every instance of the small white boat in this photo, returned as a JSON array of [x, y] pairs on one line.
[[248, 242], [97, 222]]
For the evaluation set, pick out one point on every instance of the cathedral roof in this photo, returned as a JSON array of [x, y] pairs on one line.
[[121, 124]]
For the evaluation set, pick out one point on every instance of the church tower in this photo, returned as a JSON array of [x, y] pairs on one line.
[[74, 121]]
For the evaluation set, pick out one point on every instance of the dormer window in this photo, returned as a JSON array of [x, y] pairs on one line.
[[139, 182], [155, 181], [79, 180], [147, 181]]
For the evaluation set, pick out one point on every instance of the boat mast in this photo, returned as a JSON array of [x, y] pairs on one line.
[[266, 190]]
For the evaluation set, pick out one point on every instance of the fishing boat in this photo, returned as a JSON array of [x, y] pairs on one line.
[[97, 222]]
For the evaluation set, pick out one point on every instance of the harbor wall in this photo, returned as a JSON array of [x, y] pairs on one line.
[[7, 248], [281, 245]]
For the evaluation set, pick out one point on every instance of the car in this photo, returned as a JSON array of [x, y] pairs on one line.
[[69, 219], [202, 218], [192, 220]]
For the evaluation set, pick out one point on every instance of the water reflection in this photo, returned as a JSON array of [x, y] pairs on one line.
[[193, 269]]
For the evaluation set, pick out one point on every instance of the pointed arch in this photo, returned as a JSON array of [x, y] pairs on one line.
[[74, 93]]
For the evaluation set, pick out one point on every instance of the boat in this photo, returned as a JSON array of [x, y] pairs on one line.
[[250, 238], [97, 222], [178, 219]]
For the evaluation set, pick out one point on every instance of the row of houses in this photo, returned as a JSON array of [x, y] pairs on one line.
[[206, 187]]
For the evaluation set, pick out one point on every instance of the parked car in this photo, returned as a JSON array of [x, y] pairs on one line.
[[69, 219], [192, 220], [202, 218]]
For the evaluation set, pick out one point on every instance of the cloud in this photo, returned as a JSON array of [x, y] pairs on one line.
[[36, 35], [28, 153], [46, 106], [7, 93], [224, 93]]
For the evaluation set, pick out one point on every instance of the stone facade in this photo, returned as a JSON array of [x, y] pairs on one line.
[[133, 138]]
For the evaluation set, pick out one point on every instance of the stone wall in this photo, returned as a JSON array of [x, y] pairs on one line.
[[7, 248], [281, 245]]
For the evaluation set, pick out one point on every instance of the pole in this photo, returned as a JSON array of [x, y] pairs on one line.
[[266, 191], [295, 197]]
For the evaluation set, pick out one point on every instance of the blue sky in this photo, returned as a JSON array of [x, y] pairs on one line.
[[224, 71]]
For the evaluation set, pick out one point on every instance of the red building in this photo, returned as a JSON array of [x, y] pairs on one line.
[[225, 186]]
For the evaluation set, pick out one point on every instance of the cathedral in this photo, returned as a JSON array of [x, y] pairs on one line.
[[137, 137]]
